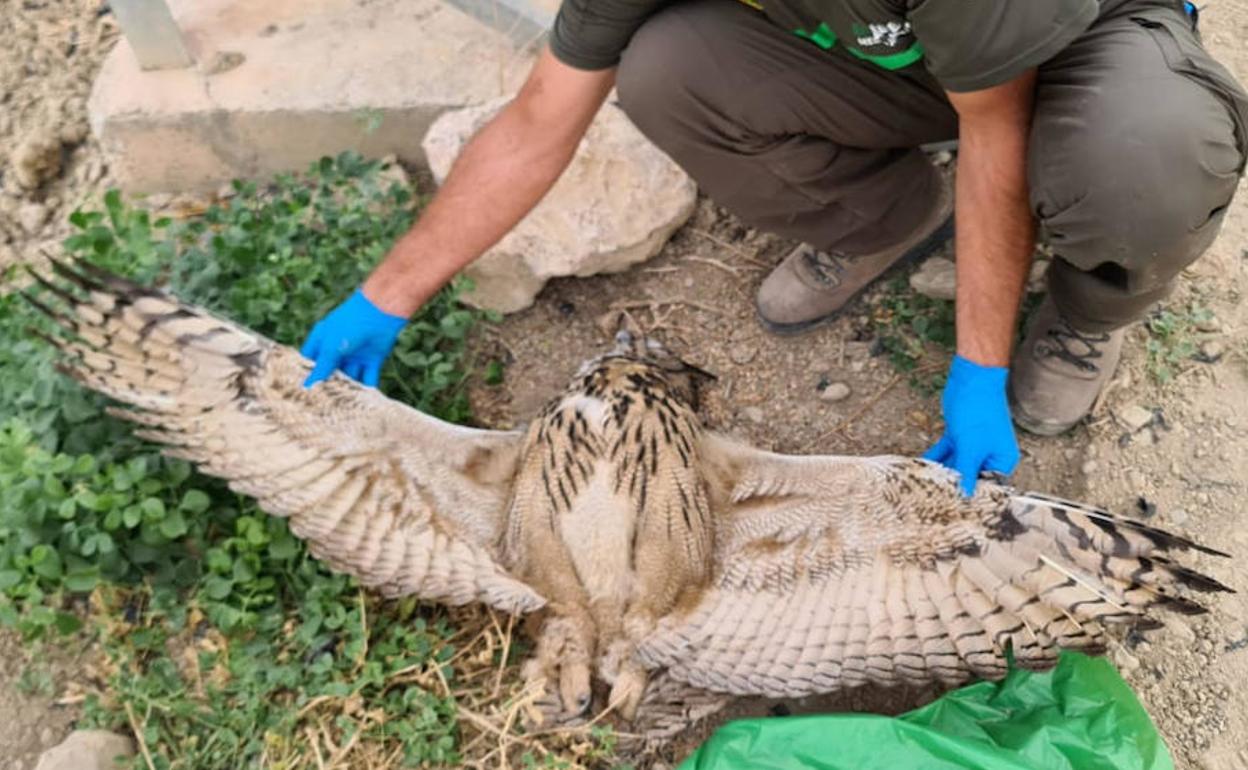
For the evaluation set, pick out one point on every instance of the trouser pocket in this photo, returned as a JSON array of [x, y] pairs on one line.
[[1184, 54]]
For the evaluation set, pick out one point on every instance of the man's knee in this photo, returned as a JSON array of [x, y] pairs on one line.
[[652, 81], [1138, 180]]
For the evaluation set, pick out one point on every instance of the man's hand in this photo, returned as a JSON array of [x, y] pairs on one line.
[[978, 434], [995, 239], [356, 337], [497, 179]]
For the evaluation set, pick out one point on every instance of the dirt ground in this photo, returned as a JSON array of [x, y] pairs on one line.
[[1191, 462]]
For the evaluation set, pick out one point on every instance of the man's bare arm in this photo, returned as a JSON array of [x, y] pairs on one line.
[[995, 232], [498, 178], [994, 243]]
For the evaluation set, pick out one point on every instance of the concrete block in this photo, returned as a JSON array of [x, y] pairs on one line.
[[152, 33], [280, 84]]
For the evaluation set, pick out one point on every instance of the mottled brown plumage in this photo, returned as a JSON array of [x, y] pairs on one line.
[[677, 565]]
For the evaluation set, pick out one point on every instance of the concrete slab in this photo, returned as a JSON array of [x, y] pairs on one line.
[[281, 83]]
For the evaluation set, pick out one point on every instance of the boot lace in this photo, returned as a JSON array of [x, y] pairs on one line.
[[826, 267], [1075, 347]]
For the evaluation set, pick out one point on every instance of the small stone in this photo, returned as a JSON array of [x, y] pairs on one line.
[[835, 391], [1136, 480], [742, 353], [754, 414], [157, 201], [1133, 417], [74, 133], [1212, 350], [1181, 631], [32, 216], [1089, 467], [1209, 325], [1177, 517], [87, 750], [1036, 282], [1125, 661], [36, 160], [935, 278]]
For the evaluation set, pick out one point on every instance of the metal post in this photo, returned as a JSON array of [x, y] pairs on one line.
[[152, 33], [524, 21]]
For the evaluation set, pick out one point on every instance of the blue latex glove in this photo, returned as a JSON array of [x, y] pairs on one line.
[[978, 433], [355, 337]]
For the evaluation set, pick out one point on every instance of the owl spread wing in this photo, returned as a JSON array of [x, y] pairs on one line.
[[406, 502], [831, 572]]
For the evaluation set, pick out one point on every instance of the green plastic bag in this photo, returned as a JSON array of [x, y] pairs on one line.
[[1079, 716]]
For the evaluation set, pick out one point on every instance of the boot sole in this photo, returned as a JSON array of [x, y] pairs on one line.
[[1033, 426], [938, 237]]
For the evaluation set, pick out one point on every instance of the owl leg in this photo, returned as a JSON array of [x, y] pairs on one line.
[[564, 651], [627, 677]]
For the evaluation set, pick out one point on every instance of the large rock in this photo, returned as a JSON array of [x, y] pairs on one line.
[[87, 750], [615, 206]]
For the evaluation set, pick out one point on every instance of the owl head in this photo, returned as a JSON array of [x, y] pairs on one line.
[[683, 378]]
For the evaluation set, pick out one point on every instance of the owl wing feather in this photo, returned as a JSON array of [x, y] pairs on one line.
[[406, 502], [831, 572]]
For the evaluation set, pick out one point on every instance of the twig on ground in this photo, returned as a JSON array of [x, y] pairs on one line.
[[139, 737], [316, 746], [734, 272], [740, 252], [502, 662], [653, 303]]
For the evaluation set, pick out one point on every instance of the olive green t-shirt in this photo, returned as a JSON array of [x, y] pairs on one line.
[[966, 44]]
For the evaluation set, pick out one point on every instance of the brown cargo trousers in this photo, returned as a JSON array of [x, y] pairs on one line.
[[1137, 142]]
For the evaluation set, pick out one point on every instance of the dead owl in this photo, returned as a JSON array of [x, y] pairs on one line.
[[672, 563]]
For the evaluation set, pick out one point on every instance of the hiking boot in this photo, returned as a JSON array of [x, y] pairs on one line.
[[1058, 372], [811, 285]]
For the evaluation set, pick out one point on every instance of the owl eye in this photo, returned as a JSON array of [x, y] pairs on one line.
[[623, 337]]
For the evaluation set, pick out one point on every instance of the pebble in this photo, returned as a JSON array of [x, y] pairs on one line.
[[1125, 661], [1212, 350], [1210, 325], [1133, 416], [1036, 282], [742, 353], [32, 216], [1178, 517], [935, 278], [753, 414], [1136, 479], [1181, 631], [1089, 467], [835, 391], [36, 159]]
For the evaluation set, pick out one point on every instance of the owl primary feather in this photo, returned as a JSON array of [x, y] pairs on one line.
[[675, 565]]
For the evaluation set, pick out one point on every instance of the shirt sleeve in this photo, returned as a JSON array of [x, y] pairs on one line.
[[974, 44], [592, 34]]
